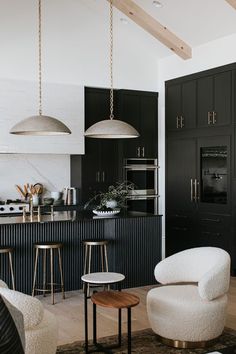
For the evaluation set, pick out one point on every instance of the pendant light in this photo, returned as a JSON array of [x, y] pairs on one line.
[[40, 124], [111, 128]]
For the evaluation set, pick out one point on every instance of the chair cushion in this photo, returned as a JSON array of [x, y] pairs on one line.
[[178, 312], [30, 307], [10, 339]]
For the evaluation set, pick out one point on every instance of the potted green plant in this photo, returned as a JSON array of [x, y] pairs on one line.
[[113, 199]]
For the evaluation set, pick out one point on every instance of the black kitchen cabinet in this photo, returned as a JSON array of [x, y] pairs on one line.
[[214, 101], [140, 109], [97, 169], [181, 106], [198, 198]]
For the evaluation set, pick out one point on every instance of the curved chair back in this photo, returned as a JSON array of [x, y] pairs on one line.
[[209, 266]]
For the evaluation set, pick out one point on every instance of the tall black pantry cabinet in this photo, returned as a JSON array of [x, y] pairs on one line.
[[200, 161]]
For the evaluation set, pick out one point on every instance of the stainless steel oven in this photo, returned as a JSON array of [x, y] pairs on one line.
[[144, 174]]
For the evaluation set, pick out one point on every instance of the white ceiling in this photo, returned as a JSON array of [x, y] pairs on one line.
[[194, 21]]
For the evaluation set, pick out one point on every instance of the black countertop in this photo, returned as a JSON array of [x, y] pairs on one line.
[[70, 216]]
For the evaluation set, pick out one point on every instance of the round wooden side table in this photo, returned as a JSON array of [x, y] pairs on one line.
[[117, 300], [99, 278]]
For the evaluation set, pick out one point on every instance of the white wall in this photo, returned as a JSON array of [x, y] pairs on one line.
[[75, 52], [213, 54]]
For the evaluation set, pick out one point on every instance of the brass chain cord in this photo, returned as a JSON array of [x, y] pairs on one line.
[[111, 60], [40, 55]]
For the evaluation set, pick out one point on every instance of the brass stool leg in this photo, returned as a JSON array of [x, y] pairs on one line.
[[35, 270], [106, 260], [11, 269], [60, 267], [51, 269], [44, 271], [102, 258], [85, 261], [89, 264]]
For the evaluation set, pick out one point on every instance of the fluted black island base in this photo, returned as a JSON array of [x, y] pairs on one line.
[[134, 246]]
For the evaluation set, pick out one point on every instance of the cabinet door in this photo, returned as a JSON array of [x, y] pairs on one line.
[[129, 111], [173, 106], [181, 172], [214, 100], [222, 98], [205, 101], [189, 104], [214, 175], [149, 125], [108, 163]]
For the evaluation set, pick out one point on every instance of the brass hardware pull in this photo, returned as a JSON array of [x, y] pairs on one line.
[[139, 151], [209, 116], [212, 220], [196, 190], [213, 117], [98, 176], [191, 190], [181, 122], [177, 122], [212, 233], [180, 228], [143, 151], [103, 176]]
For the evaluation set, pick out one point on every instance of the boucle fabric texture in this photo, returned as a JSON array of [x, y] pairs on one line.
[[40, 326], [10, 341], [190, 312], [178, 312], [210, 266], [31, 307]]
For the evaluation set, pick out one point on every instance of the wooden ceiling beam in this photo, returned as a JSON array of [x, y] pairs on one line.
[[232, 3], [155, 28]]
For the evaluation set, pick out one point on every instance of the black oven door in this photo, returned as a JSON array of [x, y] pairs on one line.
[[144, 180], [145, 205]]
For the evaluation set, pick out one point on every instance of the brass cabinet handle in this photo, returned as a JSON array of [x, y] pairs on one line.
[[103, 176], [209, 116], [212, 220], [191, 190], [177, 122], [213, 117], [212, 233], [181, 121], [139, 151], [143, 151], [98, 176], [179, 228]]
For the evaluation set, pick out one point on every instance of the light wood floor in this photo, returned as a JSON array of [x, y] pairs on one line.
[[69, 313]]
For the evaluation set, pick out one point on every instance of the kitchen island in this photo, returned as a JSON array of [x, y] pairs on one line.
[[134, 245]]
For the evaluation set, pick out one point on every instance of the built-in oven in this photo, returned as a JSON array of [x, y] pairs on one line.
[[143, 173]]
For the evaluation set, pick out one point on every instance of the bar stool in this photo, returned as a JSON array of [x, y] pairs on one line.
[[51, 247], [9, 250], [88, 255]]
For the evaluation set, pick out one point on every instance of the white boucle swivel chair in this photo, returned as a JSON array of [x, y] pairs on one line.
[[190, 315], [41, 329]]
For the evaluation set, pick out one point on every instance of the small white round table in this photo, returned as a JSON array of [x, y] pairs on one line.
[[99, 278]]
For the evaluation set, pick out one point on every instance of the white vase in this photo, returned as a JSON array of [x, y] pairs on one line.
[[111, 204]]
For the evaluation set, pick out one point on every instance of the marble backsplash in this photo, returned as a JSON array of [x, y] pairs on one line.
[[53, 171]]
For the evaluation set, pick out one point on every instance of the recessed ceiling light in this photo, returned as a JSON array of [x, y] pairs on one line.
[[124, 20], [157, 3]]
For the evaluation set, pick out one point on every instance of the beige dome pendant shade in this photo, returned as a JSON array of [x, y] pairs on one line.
[[40, 124], [111, 128]]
